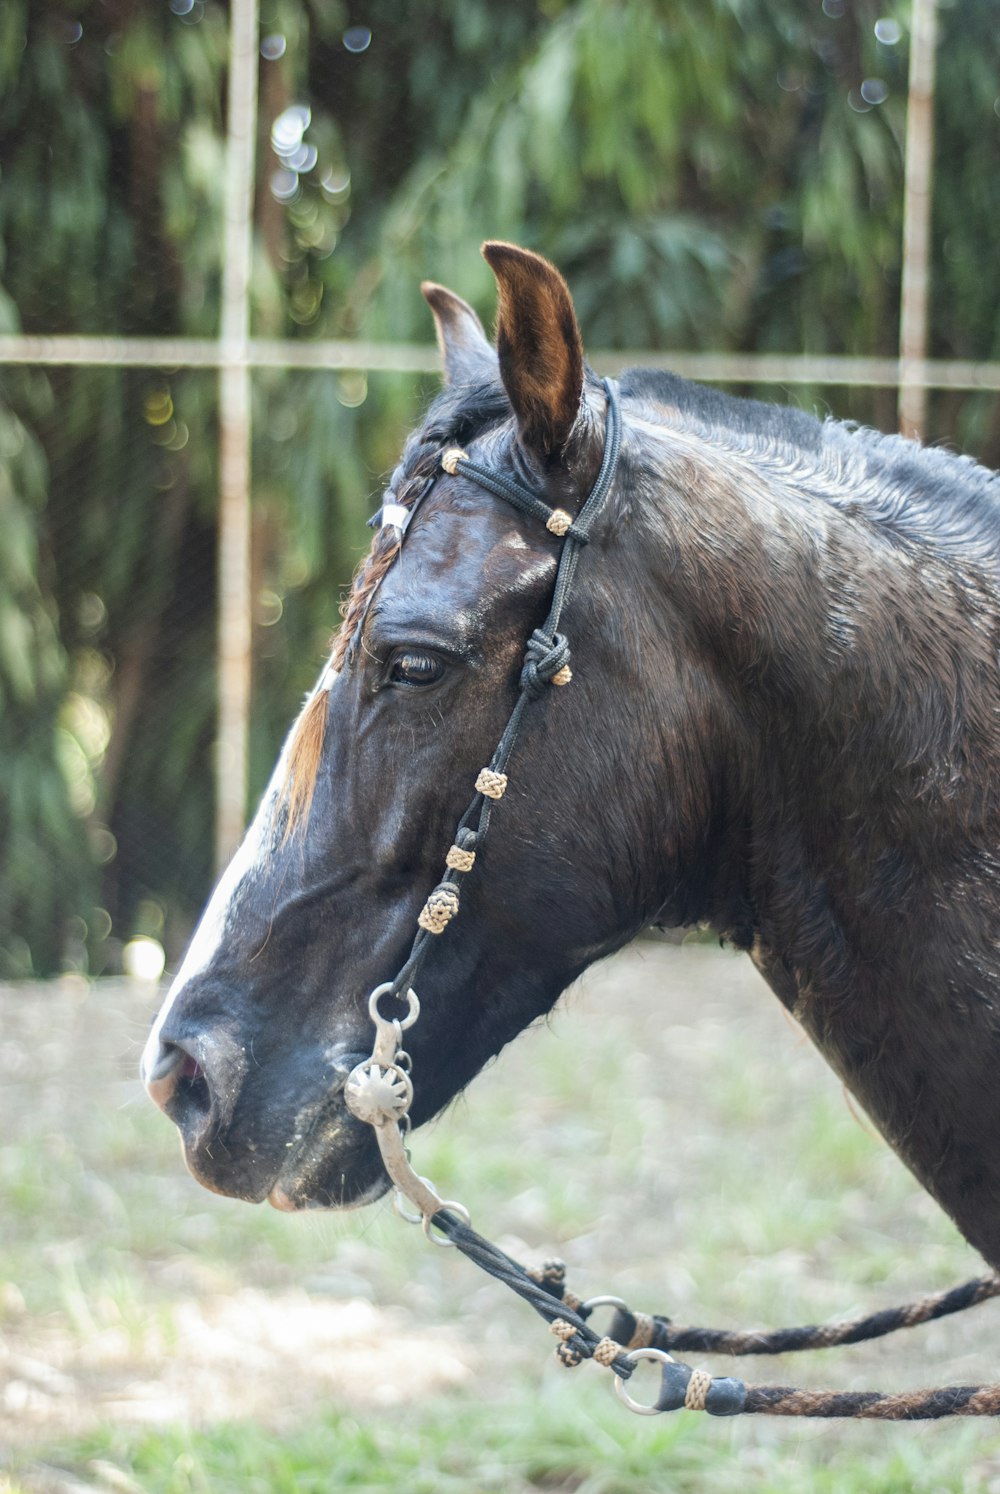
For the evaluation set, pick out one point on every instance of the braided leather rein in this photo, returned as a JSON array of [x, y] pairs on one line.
[[379, 1091]]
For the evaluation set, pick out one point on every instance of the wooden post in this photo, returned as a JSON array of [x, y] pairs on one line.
[[917, 192], [235, 600]]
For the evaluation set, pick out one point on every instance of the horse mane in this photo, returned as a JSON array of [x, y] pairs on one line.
[[923, 495]]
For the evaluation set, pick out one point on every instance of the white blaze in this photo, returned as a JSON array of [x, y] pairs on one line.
[[252, 854]]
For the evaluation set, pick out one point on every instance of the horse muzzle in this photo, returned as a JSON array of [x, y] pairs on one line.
[[265, 1131]]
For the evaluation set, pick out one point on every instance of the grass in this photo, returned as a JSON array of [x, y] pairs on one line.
[[671, 1136], [561, 1439]]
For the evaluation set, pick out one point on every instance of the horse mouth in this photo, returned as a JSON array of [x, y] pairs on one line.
[[315, 1156], [334, 1171], [335, 1166]]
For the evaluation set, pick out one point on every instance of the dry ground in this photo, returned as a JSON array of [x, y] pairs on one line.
[[670, 1134]]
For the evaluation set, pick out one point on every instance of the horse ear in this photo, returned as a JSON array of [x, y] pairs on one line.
[[467, 355], [539, 346]]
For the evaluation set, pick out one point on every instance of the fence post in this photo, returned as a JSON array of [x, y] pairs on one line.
[[917, 190], [234, 570]]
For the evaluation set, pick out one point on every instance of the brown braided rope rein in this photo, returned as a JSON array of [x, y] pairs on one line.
[[380, 1090]]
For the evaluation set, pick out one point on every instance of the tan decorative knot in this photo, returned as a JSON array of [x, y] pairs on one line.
[[558, 521], [451, 458], [459, 860], [439, 909], [572, 1301], [491, 784], [567, 1353], [562, 676], [698, 1387], [642, 1335], [606, 1352]]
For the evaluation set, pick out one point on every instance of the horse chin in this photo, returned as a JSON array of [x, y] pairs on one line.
[[334, 1164], [337, 1183], [328, 1182], [331, 1162], [291, 1195]]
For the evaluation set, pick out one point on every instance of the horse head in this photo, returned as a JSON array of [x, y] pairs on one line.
[[268, 1014], [780, 720]]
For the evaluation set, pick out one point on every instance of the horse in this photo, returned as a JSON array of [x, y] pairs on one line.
[[781, 725]]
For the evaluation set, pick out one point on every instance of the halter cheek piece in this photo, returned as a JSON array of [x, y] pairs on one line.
[[379, 1090]]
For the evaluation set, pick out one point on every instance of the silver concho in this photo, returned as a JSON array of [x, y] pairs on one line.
[[377, 1094]]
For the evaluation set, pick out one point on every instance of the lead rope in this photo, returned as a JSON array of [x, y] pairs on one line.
[[380, 1092]]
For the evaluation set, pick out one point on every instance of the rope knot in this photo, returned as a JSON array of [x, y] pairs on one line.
[[569, 1355], [491, 783], [451, 458], [572, 1349], [439, 909], [546, 662], [696, 1394], [459, 859]]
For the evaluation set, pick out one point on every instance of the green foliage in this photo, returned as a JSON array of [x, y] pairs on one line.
[[703, 185], [709, 173], [44, 782]]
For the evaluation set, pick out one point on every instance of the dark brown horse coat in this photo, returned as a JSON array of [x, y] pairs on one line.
[[783, 723]]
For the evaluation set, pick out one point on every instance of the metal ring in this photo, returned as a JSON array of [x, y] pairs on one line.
[[586, 1308], [593, 1302], [621, 1390], [456, 1208], [402, 1023], [399, 1204]]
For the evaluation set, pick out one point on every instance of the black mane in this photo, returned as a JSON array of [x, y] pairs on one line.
[[920, 495]]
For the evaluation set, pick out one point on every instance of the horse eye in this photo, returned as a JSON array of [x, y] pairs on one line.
[[412, 668]]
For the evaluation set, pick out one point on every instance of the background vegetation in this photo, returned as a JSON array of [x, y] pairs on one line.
[[713, 174]]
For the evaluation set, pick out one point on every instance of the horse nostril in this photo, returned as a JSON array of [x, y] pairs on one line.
[[192, 1099], [161, 1071], [176, 1080]]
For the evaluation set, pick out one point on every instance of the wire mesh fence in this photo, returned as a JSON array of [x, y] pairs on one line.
[[136, 387]]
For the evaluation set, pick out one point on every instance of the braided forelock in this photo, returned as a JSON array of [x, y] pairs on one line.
[[408, 484], [456, 416], [453, 418]]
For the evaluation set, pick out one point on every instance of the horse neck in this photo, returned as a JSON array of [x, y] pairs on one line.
[[862, 783], [859, 682]]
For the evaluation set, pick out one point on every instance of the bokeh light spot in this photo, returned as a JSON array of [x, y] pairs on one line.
[[874, 91], [143, 958]]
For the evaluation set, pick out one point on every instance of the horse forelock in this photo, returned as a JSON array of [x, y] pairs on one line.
[[455, 416]]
